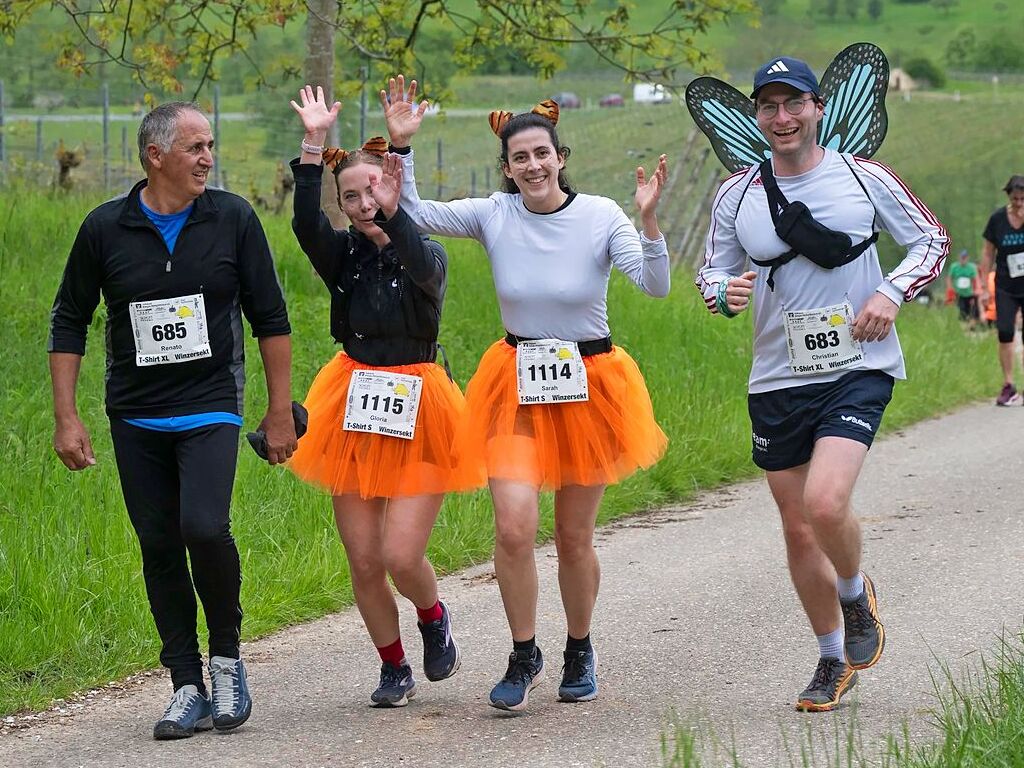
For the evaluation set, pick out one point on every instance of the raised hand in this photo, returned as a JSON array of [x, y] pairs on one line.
[[400, 111], [648, 191], [317, 117], [387, 187]]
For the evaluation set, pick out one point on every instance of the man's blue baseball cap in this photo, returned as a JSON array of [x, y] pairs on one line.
[[784, 69]]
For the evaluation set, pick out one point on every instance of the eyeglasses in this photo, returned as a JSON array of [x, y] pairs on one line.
[[769, 109]]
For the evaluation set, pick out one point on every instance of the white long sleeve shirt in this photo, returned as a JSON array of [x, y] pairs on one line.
[[741, 228], [550, 270]]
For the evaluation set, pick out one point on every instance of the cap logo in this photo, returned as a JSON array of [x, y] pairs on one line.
[[777, 67]]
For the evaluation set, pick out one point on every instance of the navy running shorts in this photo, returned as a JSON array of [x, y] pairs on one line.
[[787, 422]]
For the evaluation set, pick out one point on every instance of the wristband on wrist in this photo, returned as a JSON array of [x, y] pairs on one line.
[[721, 302], [399, 150], [312, 149]]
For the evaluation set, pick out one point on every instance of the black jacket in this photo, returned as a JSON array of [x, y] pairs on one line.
[[221, 253], [385, 304]]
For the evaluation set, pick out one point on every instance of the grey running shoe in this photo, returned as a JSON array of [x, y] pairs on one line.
[[832, 678], [441, 656], [188, 712], [232, 704], [865, 635], [579, 676], [523, 675], [396, 687]]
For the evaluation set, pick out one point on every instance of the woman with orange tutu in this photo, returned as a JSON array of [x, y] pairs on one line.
[[382, 413], [554, 405]]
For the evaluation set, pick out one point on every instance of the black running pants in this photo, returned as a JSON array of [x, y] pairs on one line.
[[177, 489]]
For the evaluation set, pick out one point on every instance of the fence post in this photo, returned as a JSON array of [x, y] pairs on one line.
[[106, 136], [124, 149], [216, 138], [472, 182], [440, 169], [39, 139]]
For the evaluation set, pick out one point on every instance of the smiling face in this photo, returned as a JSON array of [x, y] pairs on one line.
[[184, 168], [533, 165], [356, 201], [792, 138]]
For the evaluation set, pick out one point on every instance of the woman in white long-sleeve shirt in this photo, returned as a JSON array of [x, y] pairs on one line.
[[570, 413]]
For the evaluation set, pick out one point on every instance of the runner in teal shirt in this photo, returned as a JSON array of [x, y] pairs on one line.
[[963, 279]]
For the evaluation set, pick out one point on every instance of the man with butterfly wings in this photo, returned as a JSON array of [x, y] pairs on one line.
[[795, 226]]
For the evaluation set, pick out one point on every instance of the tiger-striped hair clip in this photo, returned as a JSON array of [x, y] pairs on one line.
[[547, 109], [333, 156]]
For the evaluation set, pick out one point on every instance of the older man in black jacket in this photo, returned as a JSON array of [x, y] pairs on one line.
[[177, 265]]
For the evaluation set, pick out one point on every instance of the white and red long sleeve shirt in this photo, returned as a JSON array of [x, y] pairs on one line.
[[741, 228]]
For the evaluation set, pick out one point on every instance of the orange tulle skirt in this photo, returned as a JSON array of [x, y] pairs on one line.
[[599, 441], [370, 465]]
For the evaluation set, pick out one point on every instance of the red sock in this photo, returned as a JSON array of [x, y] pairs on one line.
[[392, 654], [428, 615]]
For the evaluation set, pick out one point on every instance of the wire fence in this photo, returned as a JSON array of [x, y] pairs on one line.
[[90, 149], [93, 147]]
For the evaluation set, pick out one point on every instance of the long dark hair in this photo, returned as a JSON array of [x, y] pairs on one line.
[[519, 123]]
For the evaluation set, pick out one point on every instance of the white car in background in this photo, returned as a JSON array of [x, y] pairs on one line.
[[651, 93]]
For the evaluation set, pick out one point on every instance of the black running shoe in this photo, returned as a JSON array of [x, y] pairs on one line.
[[396, 687], [865, 635], [441, 656], [831, 680]]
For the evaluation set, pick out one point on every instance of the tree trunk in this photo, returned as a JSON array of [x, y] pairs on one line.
[[320, 71]]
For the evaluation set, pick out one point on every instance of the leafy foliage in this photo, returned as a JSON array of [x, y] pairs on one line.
[[923, 68], [165, 46]]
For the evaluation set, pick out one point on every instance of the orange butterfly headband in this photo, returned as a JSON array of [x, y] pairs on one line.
[[547, 109], [378, 145]]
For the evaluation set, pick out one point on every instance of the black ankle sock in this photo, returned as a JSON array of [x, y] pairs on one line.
[[525, 646], [583, 644]]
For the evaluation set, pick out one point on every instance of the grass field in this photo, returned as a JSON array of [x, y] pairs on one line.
[[956, 153], [903, 31], [71, 594]]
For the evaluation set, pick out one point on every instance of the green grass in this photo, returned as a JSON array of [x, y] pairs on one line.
[[614, 141], [903, 31], [977, 722], [956, 154], [71, 592], [958, 172]]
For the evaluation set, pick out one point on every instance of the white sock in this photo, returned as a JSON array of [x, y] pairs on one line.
[[830, 646], [850, 589]]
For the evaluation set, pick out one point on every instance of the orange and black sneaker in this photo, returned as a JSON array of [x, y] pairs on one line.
[[865, 635], [832, 679]]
